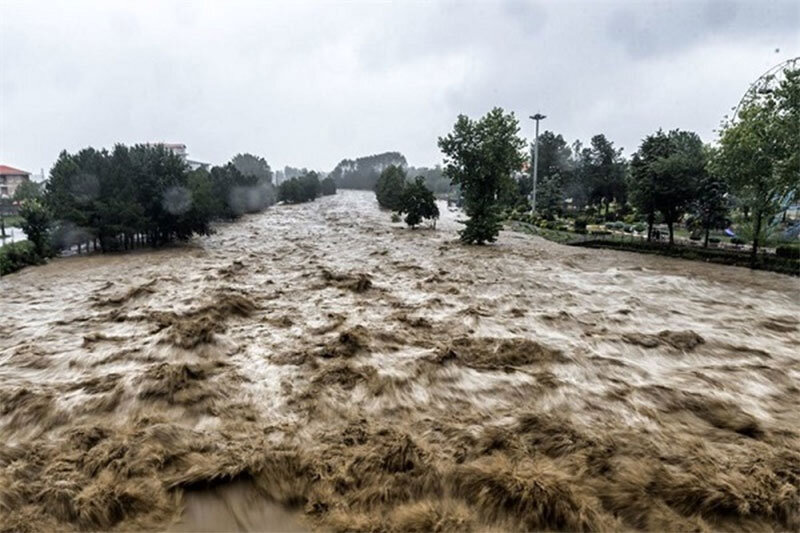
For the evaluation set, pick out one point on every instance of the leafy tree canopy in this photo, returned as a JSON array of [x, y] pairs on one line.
[[27, 190], [418, 203], [759, 154], [480, 155], [251, 165], [665, 174], [389, 187]]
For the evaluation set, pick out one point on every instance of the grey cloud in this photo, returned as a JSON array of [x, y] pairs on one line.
[[309, 83], [646, 29]]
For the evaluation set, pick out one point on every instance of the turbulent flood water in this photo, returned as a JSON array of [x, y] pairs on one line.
[[316, 366]]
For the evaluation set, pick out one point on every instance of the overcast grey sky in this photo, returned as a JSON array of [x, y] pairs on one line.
[[309, 83]]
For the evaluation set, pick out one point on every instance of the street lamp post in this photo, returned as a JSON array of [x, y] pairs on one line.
[[537, 117]]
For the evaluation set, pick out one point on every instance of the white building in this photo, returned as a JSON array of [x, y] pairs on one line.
[[179, 149]]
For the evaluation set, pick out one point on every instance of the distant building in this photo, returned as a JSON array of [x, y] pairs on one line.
[[10, 178], [179, 149]]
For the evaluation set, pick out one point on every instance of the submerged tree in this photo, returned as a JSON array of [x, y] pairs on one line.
[[304, 188], [328, 186], [389, 187], [418, 203], [479, 156]]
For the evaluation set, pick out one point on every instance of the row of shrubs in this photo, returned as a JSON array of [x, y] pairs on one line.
[[305, 188], [774, 263], [18, 255], [788, 251], [627, 228]]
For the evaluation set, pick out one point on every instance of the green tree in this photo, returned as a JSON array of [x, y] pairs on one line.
[[128, 197], [554, 170], [251, 165], [665, 174], [5, 210], [36, 225], [310, 186], [642, 181], [418, 203], [479, 156], [758, 154], [678, 175], [603, 171], [710, 205], [27, 190], [389, 187]]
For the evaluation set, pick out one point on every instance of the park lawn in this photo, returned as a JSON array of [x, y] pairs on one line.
[[14, 220]]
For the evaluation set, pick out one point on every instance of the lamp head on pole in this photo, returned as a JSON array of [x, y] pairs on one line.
[[538, 116]]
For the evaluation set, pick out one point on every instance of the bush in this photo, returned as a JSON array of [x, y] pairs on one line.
[[713, 240], [304, 188], [639, 228], [628, 228], [737, 240], [550, 224], [17, 256], [396, 217], [36, 225], [694, 237], [609, 225], [418, 202], [618, 225], [580, 225], [789, 251]]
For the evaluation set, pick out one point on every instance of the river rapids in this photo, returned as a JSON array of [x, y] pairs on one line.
[[318, 367]]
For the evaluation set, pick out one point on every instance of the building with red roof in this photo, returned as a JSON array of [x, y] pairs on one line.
[[10, 178]]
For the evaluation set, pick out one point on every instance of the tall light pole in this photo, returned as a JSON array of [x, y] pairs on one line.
[[537, 117]]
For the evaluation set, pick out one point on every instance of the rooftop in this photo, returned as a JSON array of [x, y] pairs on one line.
[[11, 171]]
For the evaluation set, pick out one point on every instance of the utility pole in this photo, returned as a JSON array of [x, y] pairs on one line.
[[537, 117]]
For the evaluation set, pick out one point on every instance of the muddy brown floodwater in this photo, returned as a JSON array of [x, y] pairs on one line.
[[315, 366]]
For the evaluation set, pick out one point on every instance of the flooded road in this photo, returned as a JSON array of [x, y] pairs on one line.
[[316, 366]]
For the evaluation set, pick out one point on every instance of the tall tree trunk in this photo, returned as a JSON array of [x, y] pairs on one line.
[[708, 230], [607, 204], [671, 234], [754, 252], [650, 220]]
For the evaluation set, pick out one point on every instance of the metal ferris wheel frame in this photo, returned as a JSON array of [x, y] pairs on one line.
[[765, 83]]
